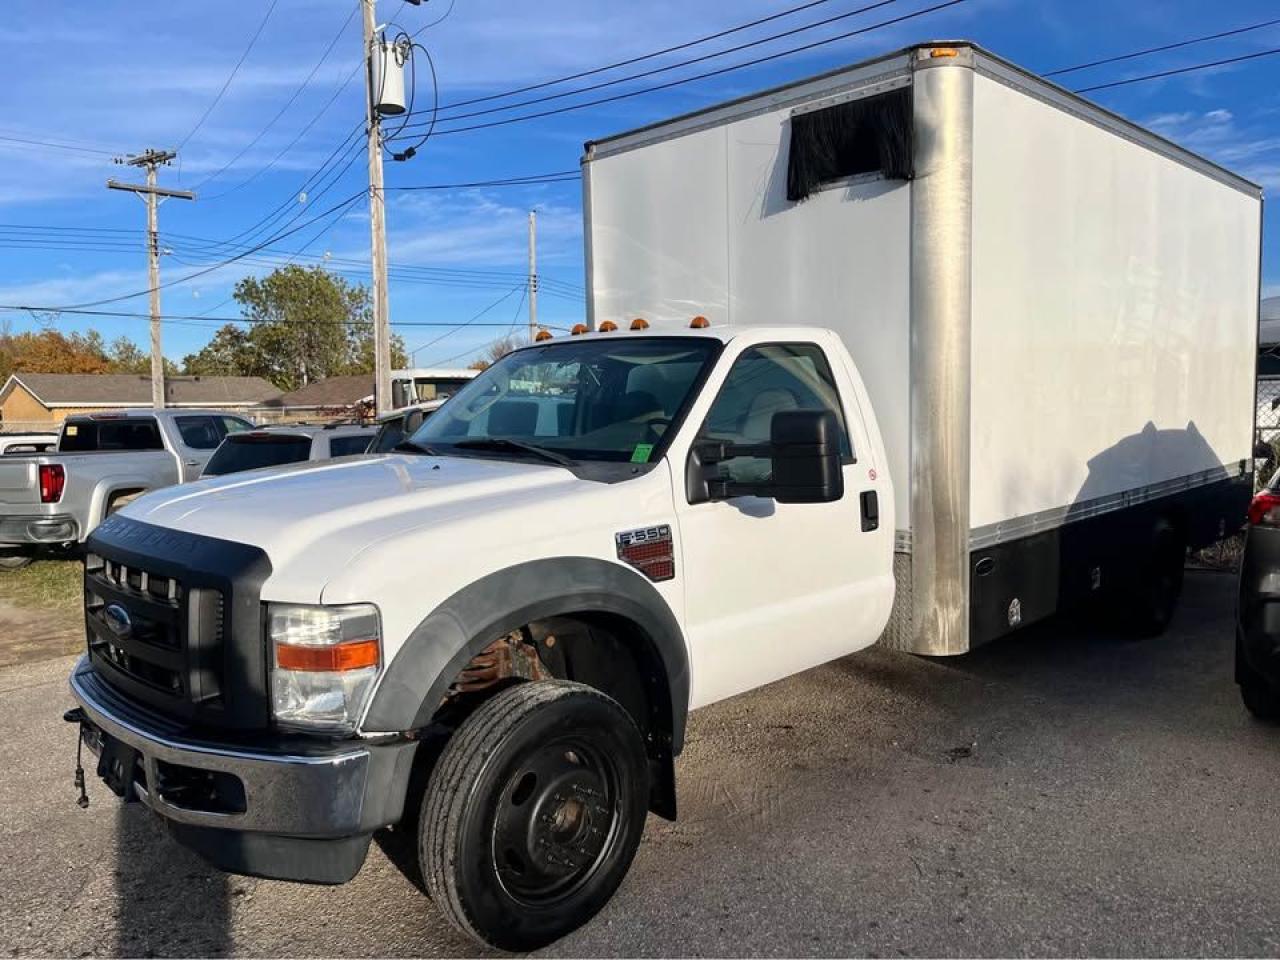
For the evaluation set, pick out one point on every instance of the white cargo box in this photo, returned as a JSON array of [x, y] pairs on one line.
[[1054, 310]]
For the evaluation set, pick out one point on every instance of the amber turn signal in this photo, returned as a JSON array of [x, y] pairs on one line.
[[330, 658]]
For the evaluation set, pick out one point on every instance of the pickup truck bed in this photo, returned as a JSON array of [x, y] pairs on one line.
[[57, 498]]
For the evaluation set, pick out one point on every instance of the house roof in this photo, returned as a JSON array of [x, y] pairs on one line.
[[330, 392], [134, 390]]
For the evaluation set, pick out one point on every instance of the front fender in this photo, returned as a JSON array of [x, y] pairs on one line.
[[417, 678]]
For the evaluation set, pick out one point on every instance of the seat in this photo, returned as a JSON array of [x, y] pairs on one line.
[[638, 405], [513, 418], [757, 425]]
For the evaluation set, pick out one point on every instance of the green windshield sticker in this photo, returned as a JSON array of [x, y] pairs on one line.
[[641, 453]]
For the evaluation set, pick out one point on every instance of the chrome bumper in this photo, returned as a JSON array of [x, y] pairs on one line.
[[285, 794], [36, 530]]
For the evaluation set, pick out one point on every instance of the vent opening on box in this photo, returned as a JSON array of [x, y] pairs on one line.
[[872, 135]]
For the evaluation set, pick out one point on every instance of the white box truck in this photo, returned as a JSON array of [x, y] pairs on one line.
[[918, 349], [1055, 311]]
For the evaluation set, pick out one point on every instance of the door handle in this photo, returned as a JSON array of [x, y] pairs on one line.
[[192, 463], [870, 510]]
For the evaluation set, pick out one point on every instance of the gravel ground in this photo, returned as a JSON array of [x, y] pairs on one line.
[[1061, 792]]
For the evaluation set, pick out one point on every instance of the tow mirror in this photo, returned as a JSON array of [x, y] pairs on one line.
[[803, 450], [412, 421]]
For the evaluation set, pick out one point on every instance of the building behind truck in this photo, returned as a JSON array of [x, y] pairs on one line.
[[926, 343], [1054, 309]]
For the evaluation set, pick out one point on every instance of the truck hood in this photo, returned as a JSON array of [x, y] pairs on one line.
[[333, 510]]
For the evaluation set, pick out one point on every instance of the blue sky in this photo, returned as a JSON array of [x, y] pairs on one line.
[[123, 75]]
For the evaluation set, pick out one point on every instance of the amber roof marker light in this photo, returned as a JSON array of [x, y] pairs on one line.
[[699, 323], [541, 336], [608, 326], [639, 323], [579, 329]]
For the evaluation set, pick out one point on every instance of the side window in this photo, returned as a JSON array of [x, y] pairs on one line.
[[131, 433], [234, 425], [198, 433], [765, 380], [352, 443]]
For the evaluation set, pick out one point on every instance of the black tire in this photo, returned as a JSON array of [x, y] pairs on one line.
[[1259, 696], [533, 814], [14, 559], [1151, 604]]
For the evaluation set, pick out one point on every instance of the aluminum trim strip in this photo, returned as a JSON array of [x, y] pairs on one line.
[[941, 314], [1033, 523], [858, 93], [835, 83]]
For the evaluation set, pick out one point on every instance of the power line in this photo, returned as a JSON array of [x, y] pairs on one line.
[[230, 260], [234, 70], [60, 146], [294, 142], [510, 327], [1180, 70], [443, 17], [803, 28], [178, 317], [466, 323], [288, 103], [1161, 49], [706, 74], [639, 59]]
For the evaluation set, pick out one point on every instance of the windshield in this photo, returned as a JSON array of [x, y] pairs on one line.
[[250, 451], [608, 400]]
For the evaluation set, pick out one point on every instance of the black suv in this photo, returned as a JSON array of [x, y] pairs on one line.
[[1258, 607]]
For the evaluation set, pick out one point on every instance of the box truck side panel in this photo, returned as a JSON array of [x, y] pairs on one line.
[[840, 259], [1113, 319], [657, 231]]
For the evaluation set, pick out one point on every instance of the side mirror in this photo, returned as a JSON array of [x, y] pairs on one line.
[[412, 421], [804, 452]]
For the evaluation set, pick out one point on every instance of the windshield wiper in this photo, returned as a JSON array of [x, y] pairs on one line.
[[408, 446], [506, 443]]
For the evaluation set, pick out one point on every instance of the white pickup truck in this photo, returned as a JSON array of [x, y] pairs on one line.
[[101, 461], [941, 383]]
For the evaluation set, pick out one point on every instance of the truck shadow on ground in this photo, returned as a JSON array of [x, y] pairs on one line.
[[169, 902]]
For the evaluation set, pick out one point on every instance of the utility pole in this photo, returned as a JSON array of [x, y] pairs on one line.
[[377, 225], [533, 275], [152, 194]]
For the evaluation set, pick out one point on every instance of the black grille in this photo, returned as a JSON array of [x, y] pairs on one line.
[[150, 633], [194, 648]]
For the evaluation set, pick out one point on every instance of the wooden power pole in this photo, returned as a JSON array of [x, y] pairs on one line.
[[533, 275], [152, 194], [377, 225]]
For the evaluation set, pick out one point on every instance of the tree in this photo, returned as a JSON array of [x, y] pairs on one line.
[[230, 353], [50, 351], [308, 324], [125, 356], [495, 351]]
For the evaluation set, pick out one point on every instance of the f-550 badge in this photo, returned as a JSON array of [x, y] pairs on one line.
[[650, 550]]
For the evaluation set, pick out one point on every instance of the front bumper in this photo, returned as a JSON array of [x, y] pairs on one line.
[[285, 809], [39, 530]]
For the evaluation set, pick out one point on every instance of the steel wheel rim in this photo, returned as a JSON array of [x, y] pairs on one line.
[[557, 819]]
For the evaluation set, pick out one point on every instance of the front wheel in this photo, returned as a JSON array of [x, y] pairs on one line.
[[533, 814]]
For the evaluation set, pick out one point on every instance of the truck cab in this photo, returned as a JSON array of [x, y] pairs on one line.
[[644, 521]]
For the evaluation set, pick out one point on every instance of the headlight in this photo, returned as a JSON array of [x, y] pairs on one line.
[[326, 660]]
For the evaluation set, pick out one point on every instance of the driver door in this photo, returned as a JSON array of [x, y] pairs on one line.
[[774, 588]]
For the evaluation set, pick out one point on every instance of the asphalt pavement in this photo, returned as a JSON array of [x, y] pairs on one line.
[[1064, 791]]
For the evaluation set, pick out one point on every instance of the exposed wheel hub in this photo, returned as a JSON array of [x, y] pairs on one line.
[[556, 818]]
